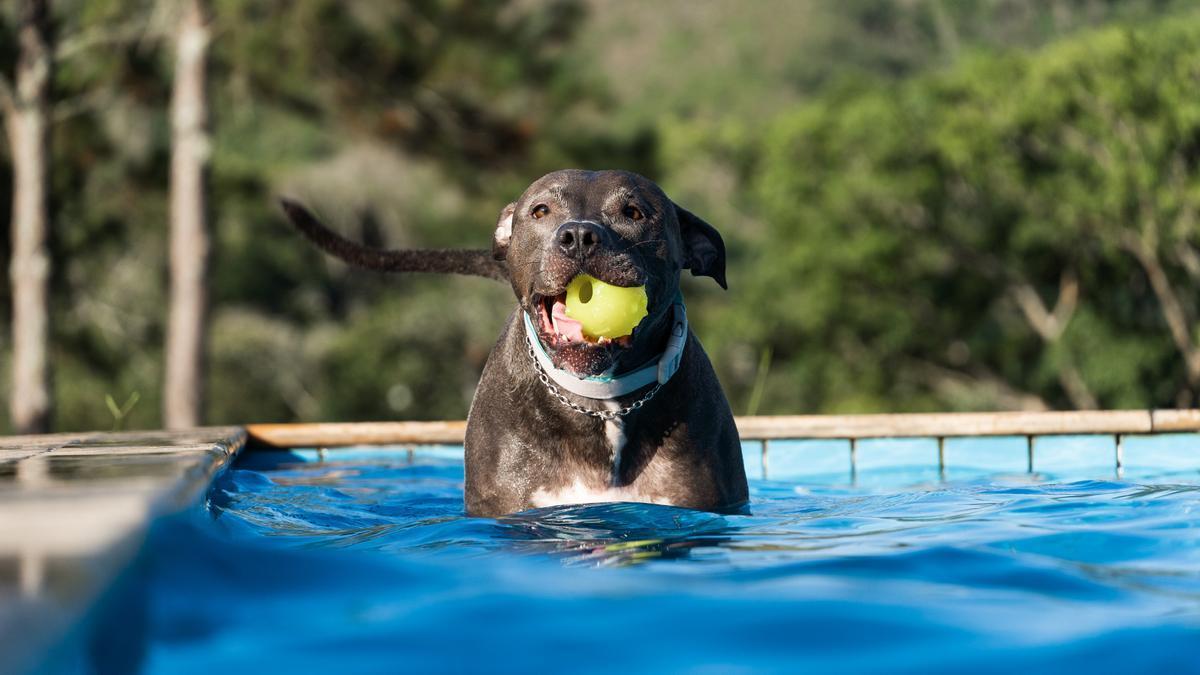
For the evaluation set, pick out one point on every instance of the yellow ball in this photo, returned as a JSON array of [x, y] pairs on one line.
[[604, 310]]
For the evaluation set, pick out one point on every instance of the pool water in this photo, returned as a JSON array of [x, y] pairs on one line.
[[364, 563]]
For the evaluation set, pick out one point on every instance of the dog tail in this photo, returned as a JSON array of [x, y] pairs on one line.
[[471, 262]]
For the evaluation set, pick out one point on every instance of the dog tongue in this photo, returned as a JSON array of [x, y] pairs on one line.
[[564, 325]]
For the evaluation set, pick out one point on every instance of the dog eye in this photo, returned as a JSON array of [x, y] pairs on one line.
[[633, 212], [539, 211]]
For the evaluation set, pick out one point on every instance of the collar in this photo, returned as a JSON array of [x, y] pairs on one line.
[[607, 385]]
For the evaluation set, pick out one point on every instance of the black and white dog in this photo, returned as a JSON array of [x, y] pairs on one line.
[[559, 418]]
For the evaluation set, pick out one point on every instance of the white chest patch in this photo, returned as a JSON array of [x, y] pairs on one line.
[[578, 493], [614, 431]]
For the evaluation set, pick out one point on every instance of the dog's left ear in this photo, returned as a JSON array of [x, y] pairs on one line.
[[503, 232], [703, 249]]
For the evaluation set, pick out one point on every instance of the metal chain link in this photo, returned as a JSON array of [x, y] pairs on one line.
[[606, 415]]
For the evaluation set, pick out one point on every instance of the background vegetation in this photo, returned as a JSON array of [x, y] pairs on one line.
[[930, 205]]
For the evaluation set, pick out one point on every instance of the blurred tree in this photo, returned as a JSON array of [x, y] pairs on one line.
[[26, 108], [183, 388]]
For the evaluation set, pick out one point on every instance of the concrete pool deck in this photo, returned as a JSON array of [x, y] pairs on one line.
[[74, 509]]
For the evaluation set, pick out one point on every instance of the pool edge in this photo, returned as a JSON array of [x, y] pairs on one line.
[[74, 512]]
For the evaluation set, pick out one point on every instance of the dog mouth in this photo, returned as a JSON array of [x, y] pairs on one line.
[[557, 331], [564, 340]]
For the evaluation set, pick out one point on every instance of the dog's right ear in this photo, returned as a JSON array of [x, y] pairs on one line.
[[503, 233]]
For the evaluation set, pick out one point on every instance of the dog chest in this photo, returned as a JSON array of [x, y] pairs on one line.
[[578, 492], [586, 485]]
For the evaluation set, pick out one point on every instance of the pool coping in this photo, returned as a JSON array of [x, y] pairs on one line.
[[74, 511], [774, 427]]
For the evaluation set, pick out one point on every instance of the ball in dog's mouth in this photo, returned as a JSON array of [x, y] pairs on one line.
[[565, 342], [558, 330]]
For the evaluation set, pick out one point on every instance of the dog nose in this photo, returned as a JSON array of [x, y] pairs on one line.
[[578, 239]]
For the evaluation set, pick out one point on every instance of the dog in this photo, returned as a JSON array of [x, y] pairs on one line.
[[560, 418]]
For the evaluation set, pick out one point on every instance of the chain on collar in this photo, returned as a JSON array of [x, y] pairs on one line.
[[606, 415]]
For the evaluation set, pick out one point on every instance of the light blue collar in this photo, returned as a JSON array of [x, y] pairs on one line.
[[607, 385]]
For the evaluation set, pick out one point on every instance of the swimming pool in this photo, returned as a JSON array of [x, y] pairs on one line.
[[364, 562]]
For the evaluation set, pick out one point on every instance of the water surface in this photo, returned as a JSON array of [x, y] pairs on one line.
[[365, 562]]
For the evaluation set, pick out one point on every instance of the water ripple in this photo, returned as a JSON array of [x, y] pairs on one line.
[[362, 565]]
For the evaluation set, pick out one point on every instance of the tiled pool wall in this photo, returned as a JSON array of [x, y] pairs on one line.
[[882, 461], [868, 460]]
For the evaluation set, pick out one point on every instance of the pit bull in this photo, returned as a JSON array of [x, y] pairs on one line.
[[560, 417]]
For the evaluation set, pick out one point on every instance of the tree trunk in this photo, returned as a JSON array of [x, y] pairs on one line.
[[184, 387], [27, 108]]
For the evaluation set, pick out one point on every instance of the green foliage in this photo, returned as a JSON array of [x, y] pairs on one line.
[[120, 412], [890, 176], [922, 233], [392, 116]]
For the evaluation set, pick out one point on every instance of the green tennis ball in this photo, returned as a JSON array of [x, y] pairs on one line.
[[604, 310]]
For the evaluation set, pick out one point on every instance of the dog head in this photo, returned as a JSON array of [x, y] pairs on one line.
[[617, 227]]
